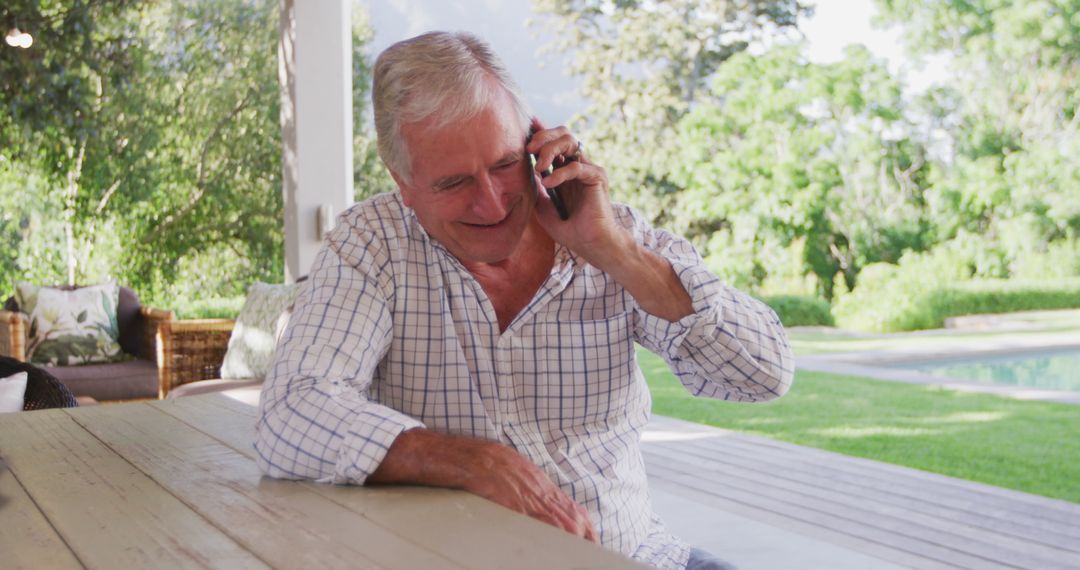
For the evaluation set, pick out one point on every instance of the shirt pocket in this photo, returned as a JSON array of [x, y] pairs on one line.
[[586, 373]]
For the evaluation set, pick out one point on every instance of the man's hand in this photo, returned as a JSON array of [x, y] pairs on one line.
[[592, 231], [507, 478], [484, 468]]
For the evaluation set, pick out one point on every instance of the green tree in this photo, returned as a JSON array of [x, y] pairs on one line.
[[644, 65], [800, 152], [64, 122], [1009, 113], [170, 134]]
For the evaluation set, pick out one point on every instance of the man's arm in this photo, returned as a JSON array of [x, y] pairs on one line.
[[720, 342], [314, 421]]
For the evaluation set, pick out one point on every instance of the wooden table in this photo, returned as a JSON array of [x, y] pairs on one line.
[[174, 483]]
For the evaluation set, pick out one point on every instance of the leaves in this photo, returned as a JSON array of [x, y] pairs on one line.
[[141, 141]]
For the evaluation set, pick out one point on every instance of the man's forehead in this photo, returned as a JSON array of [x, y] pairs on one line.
[[489, 137]]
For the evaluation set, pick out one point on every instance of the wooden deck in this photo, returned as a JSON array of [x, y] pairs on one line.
[[853, 512]]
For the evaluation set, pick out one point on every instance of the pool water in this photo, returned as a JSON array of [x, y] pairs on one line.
[[1049, 370]]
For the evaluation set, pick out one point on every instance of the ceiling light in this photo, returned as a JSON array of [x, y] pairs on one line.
[[20, 39]]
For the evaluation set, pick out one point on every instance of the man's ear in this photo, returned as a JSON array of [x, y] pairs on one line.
[[404, 189]]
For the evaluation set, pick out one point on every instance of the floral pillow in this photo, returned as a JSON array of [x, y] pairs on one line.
[[71, 327], [254, 338]]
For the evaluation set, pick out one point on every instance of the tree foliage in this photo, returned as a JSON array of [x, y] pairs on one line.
[[1009, 116], [644, 65], [150, 133], [795, 151], [709, 118]]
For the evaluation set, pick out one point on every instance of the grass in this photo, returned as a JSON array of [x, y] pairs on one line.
[[1023, 445]]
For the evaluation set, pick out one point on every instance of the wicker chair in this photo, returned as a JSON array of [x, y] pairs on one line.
[[43, 390], [135, 379], [191, 350]]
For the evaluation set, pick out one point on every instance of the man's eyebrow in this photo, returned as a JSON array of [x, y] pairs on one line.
[[447, 181], [510, 158]]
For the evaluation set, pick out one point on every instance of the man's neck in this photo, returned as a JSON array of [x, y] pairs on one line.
[[512, 283]]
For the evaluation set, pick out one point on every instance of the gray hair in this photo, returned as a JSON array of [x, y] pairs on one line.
[[454, 74]]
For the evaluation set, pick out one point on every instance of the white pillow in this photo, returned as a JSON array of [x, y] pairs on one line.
[[13, 393], [254, 338]]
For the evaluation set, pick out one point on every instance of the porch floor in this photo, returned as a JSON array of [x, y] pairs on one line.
[[765, 504]]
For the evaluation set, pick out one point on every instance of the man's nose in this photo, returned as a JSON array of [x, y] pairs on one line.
[[489, 200]]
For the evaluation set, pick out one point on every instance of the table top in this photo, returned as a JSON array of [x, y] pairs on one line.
[[174, 483]]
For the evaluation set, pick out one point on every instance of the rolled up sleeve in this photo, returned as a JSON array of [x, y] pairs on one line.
[[316, 419], [732, 347]]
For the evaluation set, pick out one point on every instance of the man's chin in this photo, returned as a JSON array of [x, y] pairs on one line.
[[488, 246]]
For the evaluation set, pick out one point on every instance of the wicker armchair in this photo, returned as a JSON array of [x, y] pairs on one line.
[[191, 350], [43, 390], [135, 379]]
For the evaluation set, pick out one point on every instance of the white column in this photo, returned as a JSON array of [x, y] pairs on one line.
[[315, 74]]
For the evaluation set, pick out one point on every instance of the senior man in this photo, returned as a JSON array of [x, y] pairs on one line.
[[460, 334]]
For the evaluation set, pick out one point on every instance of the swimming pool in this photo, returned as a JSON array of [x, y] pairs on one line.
[[1057, 369]]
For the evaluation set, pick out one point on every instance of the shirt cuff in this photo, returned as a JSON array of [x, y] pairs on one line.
[[367, 442], [667, 336]]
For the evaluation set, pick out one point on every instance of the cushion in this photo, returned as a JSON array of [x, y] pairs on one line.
[[129, 380], [71, 327], [12, 392], [128, 317], [253, 339]]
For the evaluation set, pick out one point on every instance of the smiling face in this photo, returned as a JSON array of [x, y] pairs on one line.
[[470, 185]]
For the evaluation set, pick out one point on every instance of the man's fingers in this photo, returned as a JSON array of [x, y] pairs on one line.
[[585, 173]]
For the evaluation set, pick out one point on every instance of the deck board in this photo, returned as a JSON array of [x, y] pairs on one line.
[[906, 516], [958, 495], [1018, 524]]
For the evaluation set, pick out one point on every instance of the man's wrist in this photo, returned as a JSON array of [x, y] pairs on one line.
[[652, 281], [424, 457]]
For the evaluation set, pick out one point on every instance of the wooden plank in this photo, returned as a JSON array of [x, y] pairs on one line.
[[280, 521], [109, 513], [1020, 524], [812, 529], [1043, 520], [905, 547], [494, 538], [966, 499], [974, 539], [957, 493], [952, 544], [27, 540]]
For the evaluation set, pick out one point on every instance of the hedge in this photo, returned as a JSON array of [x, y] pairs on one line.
[[213, 308], [910, 307], [800, 311]]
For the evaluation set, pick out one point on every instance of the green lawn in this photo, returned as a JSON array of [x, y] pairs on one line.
[[1027, 446]]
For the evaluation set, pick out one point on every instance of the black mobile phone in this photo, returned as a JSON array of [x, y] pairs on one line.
[[554, 193]]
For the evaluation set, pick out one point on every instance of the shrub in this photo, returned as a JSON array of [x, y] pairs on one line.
[[903, 305], [800, 310], [210, 308]]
